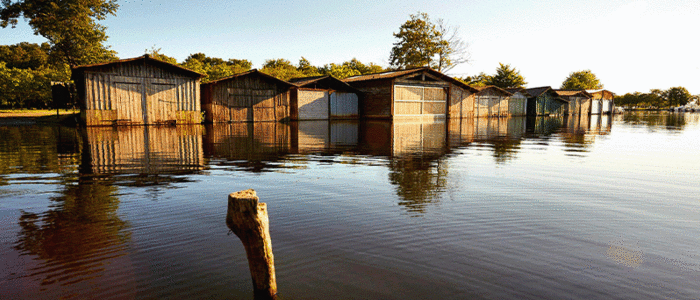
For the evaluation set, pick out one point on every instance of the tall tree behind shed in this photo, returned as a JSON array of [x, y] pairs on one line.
[[581, 80], [70, 27], [423, 43]]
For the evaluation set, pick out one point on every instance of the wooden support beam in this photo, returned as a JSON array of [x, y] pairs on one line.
[[247, 218]]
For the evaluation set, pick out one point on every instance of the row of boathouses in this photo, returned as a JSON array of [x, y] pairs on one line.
[[144, 90]]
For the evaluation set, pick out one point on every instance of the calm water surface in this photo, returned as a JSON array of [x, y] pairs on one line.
[[592, 208]]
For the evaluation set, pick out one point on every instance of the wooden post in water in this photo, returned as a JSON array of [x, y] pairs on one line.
[[247, 218]]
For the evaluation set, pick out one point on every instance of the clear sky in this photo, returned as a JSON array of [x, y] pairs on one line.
[[631, 45]]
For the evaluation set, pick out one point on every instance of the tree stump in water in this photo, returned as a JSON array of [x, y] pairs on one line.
[[247, 218]]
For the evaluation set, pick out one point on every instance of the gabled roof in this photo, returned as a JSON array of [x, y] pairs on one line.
[[538, 91], [322, 80], [145, 59], [248, 73], [572, 93], [518, 90], [400, 73], [492, 87]]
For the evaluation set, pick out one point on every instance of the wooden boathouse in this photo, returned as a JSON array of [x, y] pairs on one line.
[[579, 101], [137, 91], [603, 102], [323, 98], [491, 101], [544, 101], [419, 93], [518, 101], [250, 96]]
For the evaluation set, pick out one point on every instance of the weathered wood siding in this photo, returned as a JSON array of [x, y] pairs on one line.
[[377, 100], [145, 150], [137, 93], [313, 104], [517, 105], [461, 103], [344, 105], [596, 106], [607, 106], [249, 98], [419, 101]]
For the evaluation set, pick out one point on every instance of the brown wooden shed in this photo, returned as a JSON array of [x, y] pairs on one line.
[[323, 98], [137, 91], [250, 96], [603, 102], [492, 101], [421, 93], [579, 101]]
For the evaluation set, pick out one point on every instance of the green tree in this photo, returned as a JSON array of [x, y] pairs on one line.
[[215, 68], [281, 68], [307, 69], [581, 80], [480, 79], [70, 26], [155, 53], [506, 77], [424, 43], [25, 88], [25, 55], [339, 71], [364, 69], [677, 96]]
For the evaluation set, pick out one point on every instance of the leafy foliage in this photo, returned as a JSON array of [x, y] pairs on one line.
[[23, 88], [215, 68], [424, 43], [70, 27], [281, 68], [673, 97], [506, 77], [25, 55], [582, 80]]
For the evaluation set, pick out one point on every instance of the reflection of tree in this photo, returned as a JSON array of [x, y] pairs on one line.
[[419, 181], [655, 120], [80, 232], [505, 150]]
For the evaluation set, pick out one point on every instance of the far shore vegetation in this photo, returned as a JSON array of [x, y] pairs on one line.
[[27, 70]]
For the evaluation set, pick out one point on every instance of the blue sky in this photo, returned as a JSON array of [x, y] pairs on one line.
[[631, 45]]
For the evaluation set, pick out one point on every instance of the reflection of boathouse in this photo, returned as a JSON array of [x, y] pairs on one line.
[[145, 150], [137, 91]]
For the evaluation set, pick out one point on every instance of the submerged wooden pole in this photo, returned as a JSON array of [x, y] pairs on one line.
[[247, 218]]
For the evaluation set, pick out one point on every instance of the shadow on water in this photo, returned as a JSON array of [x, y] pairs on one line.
[[77, 235], [654, 120]]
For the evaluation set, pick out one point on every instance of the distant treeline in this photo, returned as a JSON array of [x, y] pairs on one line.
[[673, 97]]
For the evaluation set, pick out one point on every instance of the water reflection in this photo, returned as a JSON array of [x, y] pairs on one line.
[[77, 236], [254, 147], [143, 155], [656, 120]]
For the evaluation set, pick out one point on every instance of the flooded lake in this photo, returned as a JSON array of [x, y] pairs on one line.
[[596, 207]]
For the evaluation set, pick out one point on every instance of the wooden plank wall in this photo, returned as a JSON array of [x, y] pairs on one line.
[[344, 105], [517, 105], [419, 101], [461, 103], [376, 102], [138, 94], [246, 99], [313, 104]]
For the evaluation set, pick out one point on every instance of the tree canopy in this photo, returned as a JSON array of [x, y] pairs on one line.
[[70, 26], [582, 80], [506, 77], [673, 97], [423, 43], [677, 96]]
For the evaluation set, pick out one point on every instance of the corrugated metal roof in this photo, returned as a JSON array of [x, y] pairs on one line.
[[145, 58], [518, 90], [306, 81], [569, 93]]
